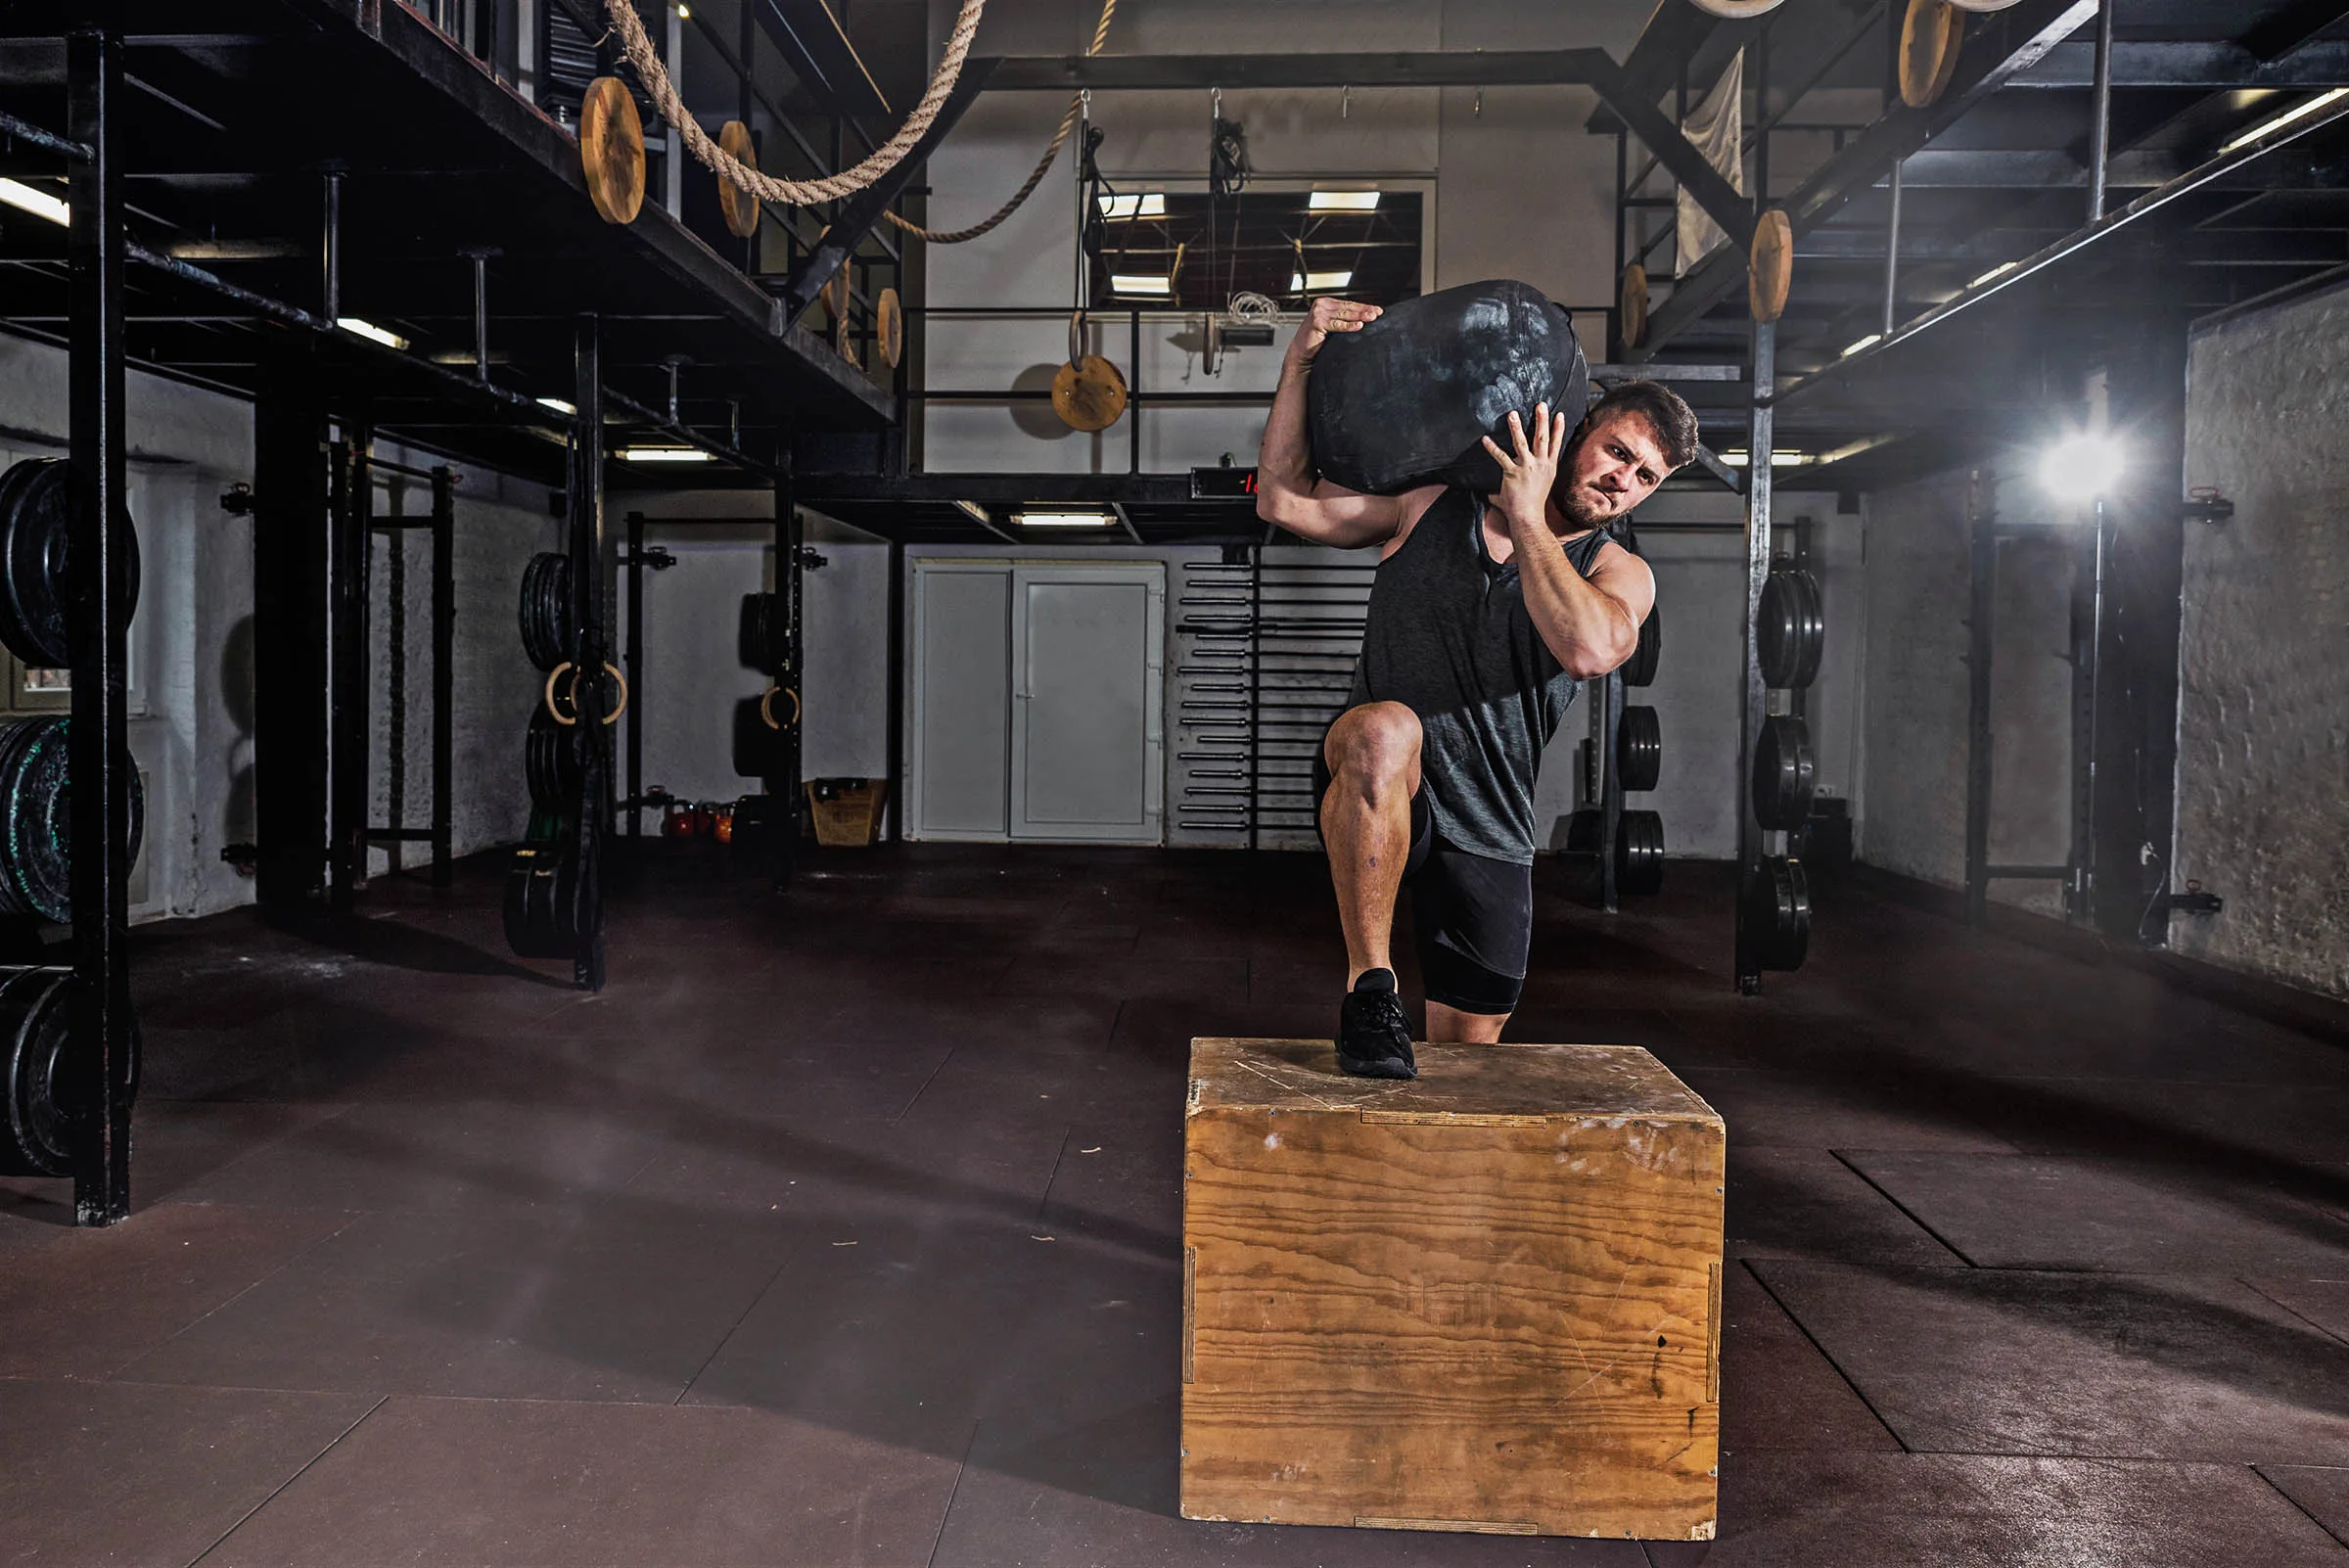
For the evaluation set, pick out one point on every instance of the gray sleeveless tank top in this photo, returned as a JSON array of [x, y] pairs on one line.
[[1449, 637]]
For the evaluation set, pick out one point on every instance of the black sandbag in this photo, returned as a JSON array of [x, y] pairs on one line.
[[1408, 400]]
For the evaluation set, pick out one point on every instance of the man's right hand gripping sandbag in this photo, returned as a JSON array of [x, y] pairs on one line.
[[1408, 397]]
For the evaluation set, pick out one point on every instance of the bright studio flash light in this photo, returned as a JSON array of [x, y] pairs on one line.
[[2082, 467]]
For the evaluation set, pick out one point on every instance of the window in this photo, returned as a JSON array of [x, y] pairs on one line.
[[1190, 251]]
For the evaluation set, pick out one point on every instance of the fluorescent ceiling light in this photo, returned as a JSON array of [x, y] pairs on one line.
[[1318, 282], [371, 332], [684, 14], [1868, 342], [974, 510], [557, 405], [1999, 271], [2082, 467], [40, 203], [2287, 118], [1143, 204], [1062, 519], [1158, 285], [1777, 459], [665, 455], [1342, 202]]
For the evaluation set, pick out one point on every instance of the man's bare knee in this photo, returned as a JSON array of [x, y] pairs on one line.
[[1374, 749]]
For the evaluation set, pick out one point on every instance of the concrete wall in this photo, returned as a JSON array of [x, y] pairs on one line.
[[2263, 764], [191, 729], [1910, 794]]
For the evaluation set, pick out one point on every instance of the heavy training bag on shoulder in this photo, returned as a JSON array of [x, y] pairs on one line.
[[1408, 400]]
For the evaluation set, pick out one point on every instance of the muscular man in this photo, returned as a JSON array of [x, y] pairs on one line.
[[1486, 613]]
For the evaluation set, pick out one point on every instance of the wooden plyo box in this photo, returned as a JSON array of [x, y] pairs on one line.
[[1488, 1299]]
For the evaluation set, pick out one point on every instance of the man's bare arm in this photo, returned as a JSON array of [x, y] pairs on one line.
[[1288, 492]]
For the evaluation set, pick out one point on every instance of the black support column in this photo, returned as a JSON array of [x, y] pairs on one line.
[[2134, 805], [592, 607], [445, 675], [1981, 627], [351, 509], [1753, 697], [783, 786], [290, 533], [99, 756]]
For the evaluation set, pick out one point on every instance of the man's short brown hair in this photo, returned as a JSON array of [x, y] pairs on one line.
[[1664, 411]]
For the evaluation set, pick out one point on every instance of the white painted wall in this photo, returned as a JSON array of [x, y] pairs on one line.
[[2263, 757], [191, 729]]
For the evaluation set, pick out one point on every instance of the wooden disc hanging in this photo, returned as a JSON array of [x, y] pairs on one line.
[[1770, 267], [1744, 8], [1631, 303], [1929, 38], [740, 206], [888, 328], [611, 149]]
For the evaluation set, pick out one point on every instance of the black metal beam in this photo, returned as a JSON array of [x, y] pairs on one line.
[[2293, 28], [2204, 67], [290, 531], [1688, 165], [816, 48], [2209, 173], [861, 211], [1448, 68], [100, 773], [2007, 43], [445, 673], [350, 510], [590, 588]]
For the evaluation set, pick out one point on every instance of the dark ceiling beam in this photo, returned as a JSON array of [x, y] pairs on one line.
[[861, 212], [2207, 175], [2010, 42], [2292, 28], [1685, 162], [812, 43], [2205, 247], [1003, 489], [2204, 67], [1672, 36], [1449, 67]]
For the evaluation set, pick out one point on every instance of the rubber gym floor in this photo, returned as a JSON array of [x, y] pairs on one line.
[[845, 1229]]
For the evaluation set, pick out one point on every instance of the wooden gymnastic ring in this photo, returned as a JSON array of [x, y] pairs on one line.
[[1769, 266], [888, 327], [611, 149], [1631, 301], [738, 207], [613, 717], [554, 713], [767, 707], [1930, 36]]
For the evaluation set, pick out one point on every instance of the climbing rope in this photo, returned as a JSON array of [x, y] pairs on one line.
[[638, 47], [1035, 177]]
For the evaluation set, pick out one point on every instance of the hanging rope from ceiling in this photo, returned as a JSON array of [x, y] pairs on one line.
[[1036, 176], [637, 45]]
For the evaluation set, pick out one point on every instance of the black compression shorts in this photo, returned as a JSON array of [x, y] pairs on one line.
[[1474, 914]]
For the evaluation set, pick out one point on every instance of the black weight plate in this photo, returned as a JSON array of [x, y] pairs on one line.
[[545, 609], [33, 1143], [1641, 669], [36, 529], [550, 765], [1639, 854], [1812, 645], [757, 750], [1785, 774], [36, 818], [1777, 914], [763, 634], [533, 927], [1640, 748]]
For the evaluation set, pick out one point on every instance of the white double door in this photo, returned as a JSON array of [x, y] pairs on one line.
[[1038, 706]]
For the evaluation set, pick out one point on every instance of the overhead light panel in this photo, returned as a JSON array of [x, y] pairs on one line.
[[1778, 459], [1064, 518], [2289, 116], [665, 455], [1999, 271], [1318, 282], [1868, 342], [1155, 285], [557, 405], [1342, 202], [1140, 205], [371, 332], [39, 203]]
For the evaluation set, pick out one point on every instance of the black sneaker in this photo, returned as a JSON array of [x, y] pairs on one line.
[[1374, 1035]]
